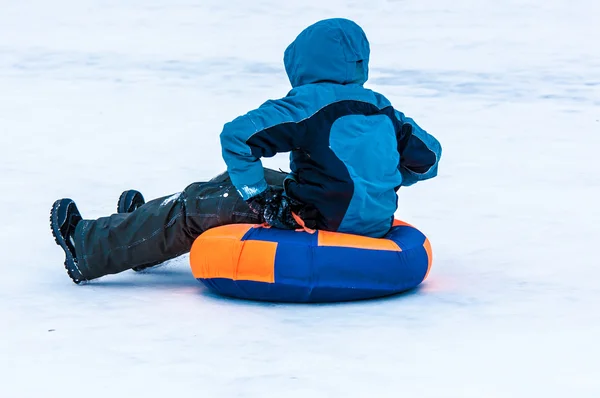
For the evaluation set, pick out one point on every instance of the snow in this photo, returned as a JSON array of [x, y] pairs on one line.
[[170, 199], [99, 96]]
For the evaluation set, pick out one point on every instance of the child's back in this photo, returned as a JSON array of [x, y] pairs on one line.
[[350, 150]]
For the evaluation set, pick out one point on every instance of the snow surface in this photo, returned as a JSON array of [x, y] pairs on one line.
[[98, 96]]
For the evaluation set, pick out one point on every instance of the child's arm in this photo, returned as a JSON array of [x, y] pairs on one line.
[[263, 132], [419, 151]]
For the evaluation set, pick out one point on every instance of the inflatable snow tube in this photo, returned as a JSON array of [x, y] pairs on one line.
[[249, 262]]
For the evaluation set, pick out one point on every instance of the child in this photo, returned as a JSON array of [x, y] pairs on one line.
[[350, 153]]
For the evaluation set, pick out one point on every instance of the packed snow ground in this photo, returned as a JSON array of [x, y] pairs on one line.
[[101, 96]]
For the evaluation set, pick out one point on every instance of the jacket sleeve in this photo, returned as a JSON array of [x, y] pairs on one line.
[[419, 151], [263, 132]]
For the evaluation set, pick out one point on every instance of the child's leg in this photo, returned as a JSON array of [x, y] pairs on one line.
[[161, 229]]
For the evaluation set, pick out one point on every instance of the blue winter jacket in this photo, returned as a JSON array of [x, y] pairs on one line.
[[350, 149]]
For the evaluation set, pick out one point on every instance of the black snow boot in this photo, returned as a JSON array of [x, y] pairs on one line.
[[130, 201], [64, 218]]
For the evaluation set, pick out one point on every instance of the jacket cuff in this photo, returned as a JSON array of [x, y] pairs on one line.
[[249, 191]]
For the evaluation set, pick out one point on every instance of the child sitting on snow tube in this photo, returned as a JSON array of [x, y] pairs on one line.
[[350, 153]]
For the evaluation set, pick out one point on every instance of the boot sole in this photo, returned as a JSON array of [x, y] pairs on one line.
[[70, 264], [124, 198]]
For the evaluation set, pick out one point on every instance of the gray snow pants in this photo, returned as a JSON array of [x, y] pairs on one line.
[[163, 228]]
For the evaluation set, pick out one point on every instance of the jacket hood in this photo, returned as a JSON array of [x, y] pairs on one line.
[[332, 50]]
